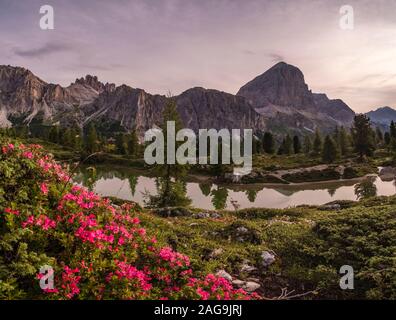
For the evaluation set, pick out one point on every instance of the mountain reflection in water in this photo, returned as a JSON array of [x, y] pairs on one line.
[[129, 184]]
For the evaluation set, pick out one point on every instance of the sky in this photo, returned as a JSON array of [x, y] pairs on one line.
[[173, 45]]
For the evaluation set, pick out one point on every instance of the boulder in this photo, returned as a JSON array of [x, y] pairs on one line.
[[387, 173], [201, 215], [330, 206], [224, 274], [216, 253], [267, 258], [248, 286], [248, 268]]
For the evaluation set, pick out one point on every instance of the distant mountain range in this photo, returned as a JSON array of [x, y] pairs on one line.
[[382, 116], [279, 100]]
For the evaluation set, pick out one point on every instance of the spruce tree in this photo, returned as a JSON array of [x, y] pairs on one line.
[[317, 144], [330, 150], [343, 141], [121, 144], [379, 136], [133, 144], [392, 130], [307, 145], [53, 135], [91, 142], [268, 143], [296, 144], [362, 134], [387, 138], [170, 183]]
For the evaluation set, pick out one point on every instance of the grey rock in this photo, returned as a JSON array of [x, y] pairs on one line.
[[238, 283], [248, 268], [215, 215], [242, 230], [216, 253], [224, 274], [387, 173], [248, 286], [333, 206], [267, 258], [251, 286], [201, 215]]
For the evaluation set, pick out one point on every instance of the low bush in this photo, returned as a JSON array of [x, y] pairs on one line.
[[97, 250]]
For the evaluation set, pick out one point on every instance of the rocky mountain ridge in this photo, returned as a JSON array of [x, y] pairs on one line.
[[278, 100]]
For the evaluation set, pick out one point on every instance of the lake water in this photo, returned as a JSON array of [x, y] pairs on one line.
[[128, 184]]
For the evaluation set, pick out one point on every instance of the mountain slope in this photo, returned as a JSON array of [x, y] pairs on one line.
[[278, 100], [282, 95], [382, 116]]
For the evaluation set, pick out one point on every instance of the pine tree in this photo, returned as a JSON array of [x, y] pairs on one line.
[[133, 144], [121, 144], [66, 137], [91, 143], [392, 130], [268, 143], [170, 184], [256, 146], [317, 144], [362, 135], [307, 145], [53, 135], [296, 144], [77, 138], [286, 146], [387, 138], [343, 142], [379, 136], [330, 150]]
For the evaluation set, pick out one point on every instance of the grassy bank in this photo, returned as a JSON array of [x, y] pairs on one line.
[[310, 245]]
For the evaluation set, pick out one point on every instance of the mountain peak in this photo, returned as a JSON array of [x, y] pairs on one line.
[[283, 85], [383, 115], [94, 83]]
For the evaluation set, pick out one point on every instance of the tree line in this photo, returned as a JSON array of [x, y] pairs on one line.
[[88, 140], [361, 139]]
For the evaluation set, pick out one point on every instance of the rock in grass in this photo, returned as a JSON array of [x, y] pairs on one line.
[[248, 268], [251, 286], [201, 215], [267, 258], [332, 206], [216, 253], [248, 286], [224, 274]]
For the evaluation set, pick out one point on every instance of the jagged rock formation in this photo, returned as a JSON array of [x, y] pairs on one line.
[[278, 100], [281, 94]]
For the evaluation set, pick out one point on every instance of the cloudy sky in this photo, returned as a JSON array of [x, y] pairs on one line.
[[172, 45]]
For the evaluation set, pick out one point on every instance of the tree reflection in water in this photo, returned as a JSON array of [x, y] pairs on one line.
[[366, 189], [219, 198]]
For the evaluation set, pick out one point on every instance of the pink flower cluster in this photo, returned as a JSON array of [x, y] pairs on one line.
[[9, 210], [175, 259], [118, 254], [70, 282], [130, 272], [41, 221]]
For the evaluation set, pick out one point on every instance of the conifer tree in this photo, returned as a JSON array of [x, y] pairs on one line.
[[91, 143], [268, 143], [296, 144], [330, 150], [362, 134], [307, 147], [317, 144]]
